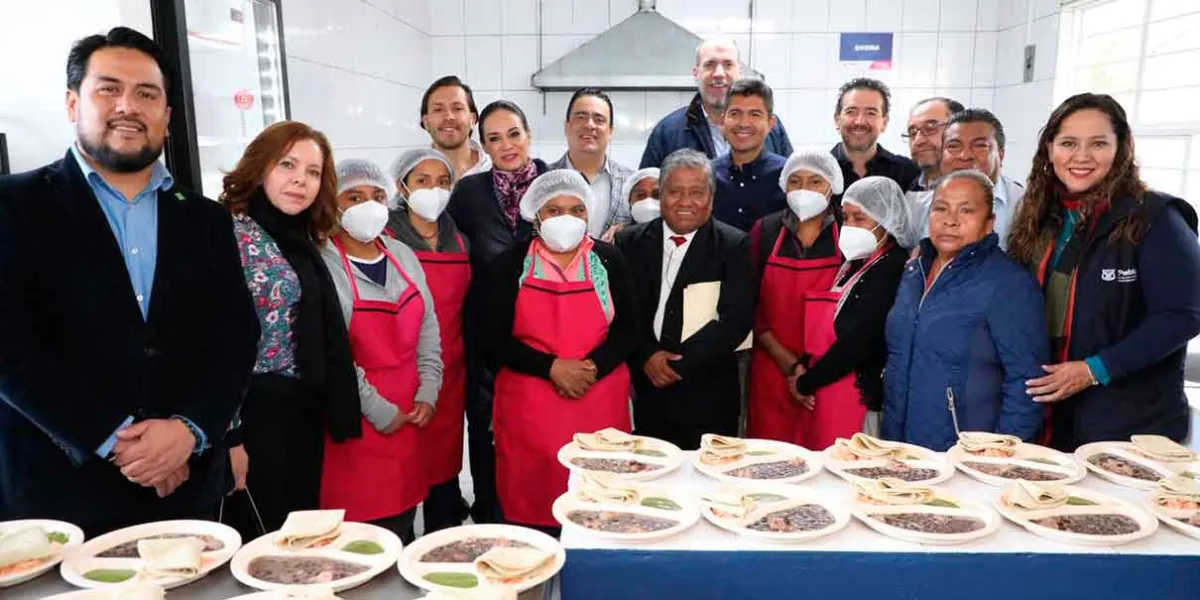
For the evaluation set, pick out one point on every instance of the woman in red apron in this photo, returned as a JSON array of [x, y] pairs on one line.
[[844, 325], [419, 219], [796, 251], [394, 341], [561, 316]]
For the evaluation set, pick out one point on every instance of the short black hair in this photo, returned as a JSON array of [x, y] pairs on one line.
[[952, 105], [750, 86], [864, 83], [117, 37], [979, 115], [594, 92], [448, 81], [502, 105]]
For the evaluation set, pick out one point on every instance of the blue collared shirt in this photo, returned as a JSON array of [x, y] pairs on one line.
[[748, 192], [134, 224]]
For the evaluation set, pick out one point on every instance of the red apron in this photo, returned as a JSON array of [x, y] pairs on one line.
[[448, 275], [839, 410], [379, 475], [773, 413], [530, 420]]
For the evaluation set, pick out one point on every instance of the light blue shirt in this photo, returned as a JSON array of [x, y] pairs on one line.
[[134, 224], [720, 144]]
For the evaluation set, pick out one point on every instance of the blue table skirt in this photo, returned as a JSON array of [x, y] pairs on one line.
[[770, 575]]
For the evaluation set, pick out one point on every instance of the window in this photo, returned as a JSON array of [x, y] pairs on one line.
[[1144, 53]]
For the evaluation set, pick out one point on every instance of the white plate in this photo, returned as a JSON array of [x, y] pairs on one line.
[[75, 539], [349, 532], [841, 516], [83, 559], [1105, 504], [686, 517], [665, 464], [863, 511], [1027, 455], [1168, 518], [101, 594], [763, 451], [413, 570], [927, 459], [1124, 450], [273, 595]]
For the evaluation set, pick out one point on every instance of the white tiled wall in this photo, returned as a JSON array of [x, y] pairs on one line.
[[947, 47], [357, 69], [1024, 107]]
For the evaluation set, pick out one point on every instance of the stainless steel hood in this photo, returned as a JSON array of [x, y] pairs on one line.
[[647, 51]]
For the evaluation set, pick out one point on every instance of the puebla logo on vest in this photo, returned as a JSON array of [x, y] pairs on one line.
[[1119, 275]]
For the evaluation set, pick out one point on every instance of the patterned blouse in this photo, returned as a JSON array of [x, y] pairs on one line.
[[276, 292]]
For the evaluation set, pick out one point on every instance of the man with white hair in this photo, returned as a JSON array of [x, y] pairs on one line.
[[687, 263], [698, 125]]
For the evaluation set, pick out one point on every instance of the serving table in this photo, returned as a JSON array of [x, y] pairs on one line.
[[707, 562]]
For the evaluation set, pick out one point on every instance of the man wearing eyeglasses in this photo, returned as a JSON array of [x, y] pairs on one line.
[[924, 136], [974, 139], [861, 116]]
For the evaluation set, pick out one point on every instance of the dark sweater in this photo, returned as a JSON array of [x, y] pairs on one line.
[[861, 347], [504, 350]]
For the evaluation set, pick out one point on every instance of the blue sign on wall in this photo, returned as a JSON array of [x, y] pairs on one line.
[[874, 47]]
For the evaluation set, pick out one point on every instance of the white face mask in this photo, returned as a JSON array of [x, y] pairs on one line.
[[428, 203], [365, 221], [856, 242], [806, 204], [562, 233], [646, 210]]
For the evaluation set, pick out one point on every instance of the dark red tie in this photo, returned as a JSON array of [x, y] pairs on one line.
[[679, 240]]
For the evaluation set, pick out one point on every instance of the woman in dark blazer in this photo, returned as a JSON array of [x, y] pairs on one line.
[[1120, 269], [485, 206]]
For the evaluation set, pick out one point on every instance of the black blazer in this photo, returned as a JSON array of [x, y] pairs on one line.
[[709, 371], [504, 350], [77, 358], [476, 211]]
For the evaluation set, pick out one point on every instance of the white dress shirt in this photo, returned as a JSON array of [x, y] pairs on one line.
[[602, 190], [672, 259]]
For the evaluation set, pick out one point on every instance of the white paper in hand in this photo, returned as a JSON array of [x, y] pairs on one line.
[[700, 307]]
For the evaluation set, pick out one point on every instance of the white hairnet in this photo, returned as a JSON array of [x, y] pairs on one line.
[[637, 177], [409, 159], [563, 182], [354, 172], [883, 200], [818, 161]]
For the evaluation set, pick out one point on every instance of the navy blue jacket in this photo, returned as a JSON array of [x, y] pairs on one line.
[[1136, 307], [77, 358], [750, 192], [979, 332], [687, 127]]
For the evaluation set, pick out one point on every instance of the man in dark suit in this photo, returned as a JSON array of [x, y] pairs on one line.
[[127, 332], [688, 387]]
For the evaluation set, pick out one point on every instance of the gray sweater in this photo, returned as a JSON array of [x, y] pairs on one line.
[[375, 408]]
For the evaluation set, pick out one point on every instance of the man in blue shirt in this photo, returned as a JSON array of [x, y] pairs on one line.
[[126, 329], [748, 176]]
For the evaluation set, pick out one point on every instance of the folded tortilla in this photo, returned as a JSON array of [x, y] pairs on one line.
[[980, 441], [893, 491], [171, 557], [735, 503], [607, 488], [1177, 488], [720, 448], [136, 591], [867, 447], [1035, 496], [308, 528], [507, 564], [1161, 448], [606, 440], [29, 543]]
